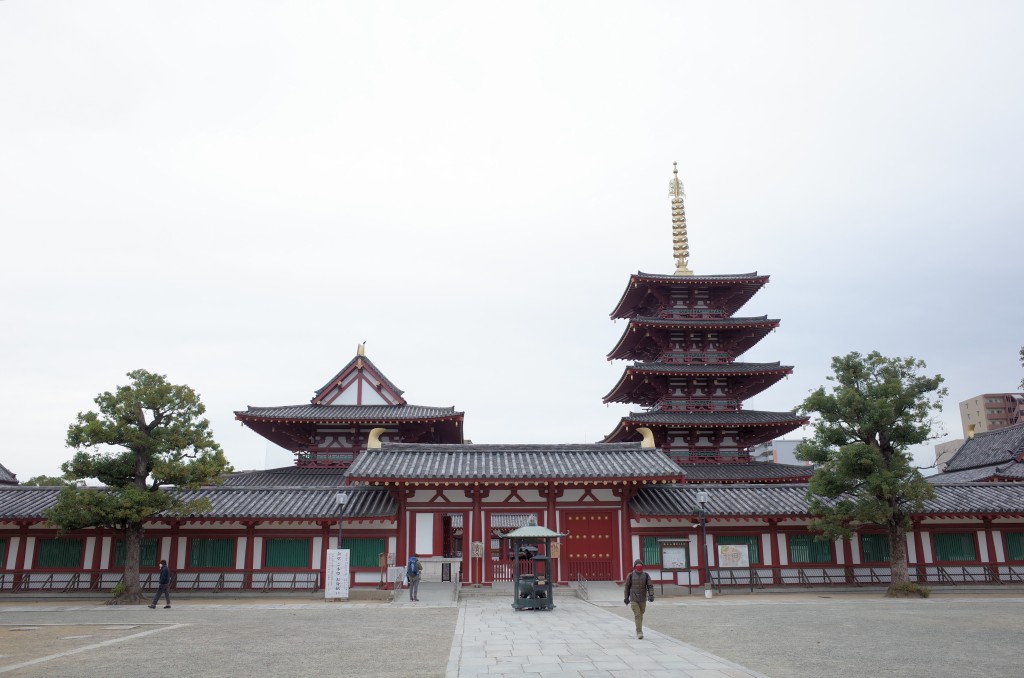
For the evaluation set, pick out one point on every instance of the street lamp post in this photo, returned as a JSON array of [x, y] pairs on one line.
[[342, 499], [702, 516]]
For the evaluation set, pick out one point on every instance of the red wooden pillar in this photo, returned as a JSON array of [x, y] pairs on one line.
[[97, 552], [848, 558], [19, 562], [250, 548], [477, 519], [325, 542], [993, 567], [552, 524], [922, 572], [401, 525], [172, 557], [773, 531], [626, 557]]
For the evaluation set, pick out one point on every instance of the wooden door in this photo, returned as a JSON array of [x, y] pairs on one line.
[[590, 547]]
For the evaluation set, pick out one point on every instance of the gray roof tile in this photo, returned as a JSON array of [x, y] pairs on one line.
[[469, 462], [287, 476], [990, 447], [728, 368], [749, 471], [341, 413], [227, 503], [6, 477], [790, 500]]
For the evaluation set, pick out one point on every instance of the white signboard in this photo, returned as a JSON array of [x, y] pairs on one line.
[[338, 574], [673, 558], [733, 555]]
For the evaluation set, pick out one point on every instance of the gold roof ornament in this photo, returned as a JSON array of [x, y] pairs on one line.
[[680, 242], [361, 349]]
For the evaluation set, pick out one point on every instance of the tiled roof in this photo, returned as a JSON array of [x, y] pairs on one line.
[[713, 323], [704, 369], [6, 477], [283, 503], [287, 476], [24, 501], [713, 419], [790, 500], [1012, 471], [691, 279], [749, 471], [990, 447], [468, 462], [340, 413]]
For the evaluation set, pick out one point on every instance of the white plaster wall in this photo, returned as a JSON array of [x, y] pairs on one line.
[[783, 553], [766, 549], [30, 547], [105, 549], [240, 552], [982, 546], [997, 537], [570, 497], [855, 553], [314, 560], [90, 548], [182, 545], [424, 533], [912, 556], [837, 546], [926, 540], [12, 553]]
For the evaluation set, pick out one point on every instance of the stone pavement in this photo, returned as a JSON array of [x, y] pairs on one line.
[[575, 639]]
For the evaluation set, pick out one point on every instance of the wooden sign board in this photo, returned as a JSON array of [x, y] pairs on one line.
[[675, 555]]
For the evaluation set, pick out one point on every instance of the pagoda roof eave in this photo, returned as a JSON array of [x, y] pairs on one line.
[[752, 281], [356, 414], [770, 373]]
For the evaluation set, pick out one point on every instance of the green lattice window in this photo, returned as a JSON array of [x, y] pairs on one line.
[[874, 548], [1013, 542], [60, 553], [804, 548], [750, 541], [3, 554], [286, 553], [364, 551], [650, 551], [147, 553], [949, 546], [205, 552]]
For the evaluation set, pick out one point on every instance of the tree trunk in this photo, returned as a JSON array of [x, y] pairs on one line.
[[132, 586], [899, 583]]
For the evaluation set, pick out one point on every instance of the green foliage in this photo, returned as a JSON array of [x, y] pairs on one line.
[[143, 436], [49, 481], [877, 409], [1022, 365]]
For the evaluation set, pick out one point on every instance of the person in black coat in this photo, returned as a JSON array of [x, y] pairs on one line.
[[165, 587]]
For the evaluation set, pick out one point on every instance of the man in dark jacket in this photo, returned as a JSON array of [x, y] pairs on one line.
[[639, 592], [165, 586]]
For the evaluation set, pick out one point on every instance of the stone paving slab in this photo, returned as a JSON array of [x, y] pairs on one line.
[[574, 639]]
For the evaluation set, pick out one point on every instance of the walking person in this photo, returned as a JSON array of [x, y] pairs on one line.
[[413, 570], [165, 587], [639, 592]]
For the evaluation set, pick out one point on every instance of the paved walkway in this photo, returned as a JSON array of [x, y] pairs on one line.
[[574, 639]]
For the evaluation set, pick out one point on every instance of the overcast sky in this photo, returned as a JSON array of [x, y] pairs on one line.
[[236, 194]]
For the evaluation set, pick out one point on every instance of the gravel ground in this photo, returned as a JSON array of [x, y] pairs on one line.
[[811, 636]]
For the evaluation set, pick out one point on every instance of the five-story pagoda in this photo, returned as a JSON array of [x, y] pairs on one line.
[[685, 337]]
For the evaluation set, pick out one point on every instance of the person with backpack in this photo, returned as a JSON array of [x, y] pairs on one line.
[[639, 592], [413, 571]]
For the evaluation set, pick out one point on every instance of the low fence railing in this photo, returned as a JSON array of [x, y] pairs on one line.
[[765, 576], [266, 581]]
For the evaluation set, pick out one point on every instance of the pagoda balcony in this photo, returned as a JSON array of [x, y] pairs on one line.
[[697, 405], [691, 313], [697, 358], [709, 457], [324, 459]]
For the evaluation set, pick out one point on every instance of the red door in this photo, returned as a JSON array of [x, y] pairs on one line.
[[590, 547]]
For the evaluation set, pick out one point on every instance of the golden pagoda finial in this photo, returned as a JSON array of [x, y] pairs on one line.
[[680, 242]]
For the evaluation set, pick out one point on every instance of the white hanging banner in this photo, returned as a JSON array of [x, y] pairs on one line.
[[338, 574]]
